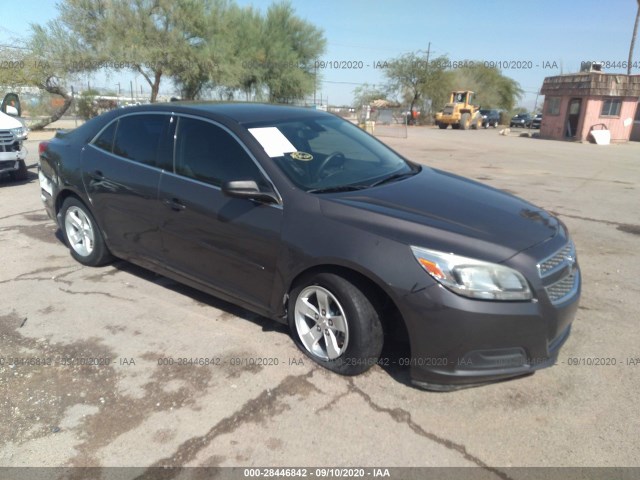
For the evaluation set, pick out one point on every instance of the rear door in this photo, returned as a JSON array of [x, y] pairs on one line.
[[229, 244], [121, 173]]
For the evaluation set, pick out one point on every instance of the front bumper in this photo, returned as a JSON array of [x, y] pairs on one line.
[[8, 166], [458, 342], [11, 156]]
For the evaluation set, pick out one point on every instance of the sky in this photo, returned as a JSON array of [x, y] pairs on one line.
[[532, 39]]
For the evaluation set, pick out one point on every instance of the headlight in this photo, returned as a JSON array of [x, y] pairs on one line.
[[19, 132], [473, 278]]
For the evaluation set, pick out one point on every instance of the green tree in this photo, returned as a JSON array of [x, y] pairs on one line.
[[366, 94], [417, 79], [290, 46], [154, 38], [48, 60], [248, 70], [209, 59], [492, 88]]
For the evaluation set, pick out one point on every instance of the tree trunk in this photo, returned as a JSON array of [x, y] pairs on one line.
[[54, 89], [155, 88], [633, 40]]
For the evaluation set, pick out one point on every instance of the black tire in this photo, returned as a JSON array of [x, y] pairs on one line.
[[364, 341], [94, 253], [22, 173], [443, 126], [465, 120]]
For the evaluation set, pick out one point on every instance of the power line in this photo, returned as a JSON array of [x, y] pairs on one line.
[[2, 45]]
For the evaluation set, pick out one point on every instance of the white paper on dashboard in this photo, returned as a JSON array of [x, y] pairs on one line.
[[273, 141]]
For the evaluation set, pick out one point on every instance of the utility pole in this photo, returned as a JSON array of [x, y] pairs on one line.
[[315, 80], [633, 40]]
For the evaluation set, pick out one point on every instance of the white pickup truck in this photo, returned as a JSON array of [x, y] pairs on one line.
[[13, 133]]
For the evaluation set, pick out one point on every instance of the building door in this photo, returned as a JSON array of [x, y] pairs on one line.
[[573, 117], [635, 130]]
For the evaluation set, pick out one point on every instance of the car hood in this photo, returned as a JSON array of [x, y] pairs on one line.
[[439, 210], [7, 122]]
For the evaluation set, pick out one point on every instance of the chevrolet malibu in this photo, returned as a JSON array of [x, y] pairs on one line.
[[302, 217]]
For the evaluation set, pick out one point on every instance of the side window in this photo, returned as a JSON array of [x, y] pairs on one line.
[[105, 140], [138, 137], [208, 153]]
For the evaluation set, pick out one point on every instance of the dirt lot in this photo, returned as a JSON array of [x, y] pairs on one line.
[[136, 411]]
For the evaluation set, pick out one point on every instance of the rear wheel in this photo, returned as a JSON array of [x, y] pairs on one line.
[[335, 324], [443, 126], [82, 234]]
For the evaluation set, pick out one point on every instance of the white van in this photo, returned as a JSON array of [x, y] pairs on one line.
[[13, 133]]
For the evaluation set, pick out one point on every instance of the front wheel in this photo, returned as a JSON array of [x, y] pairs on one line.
[[82, 234], [335, 324], [465, 121]]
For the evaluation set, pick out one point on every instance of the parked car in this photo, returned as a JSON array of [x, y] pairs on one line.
[[304, 218], [521, 120], [490, 118], [537, 121], [13, 133]]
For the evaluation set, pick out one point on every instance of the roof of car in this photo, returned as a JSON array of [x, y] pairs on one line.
[[239, 112]]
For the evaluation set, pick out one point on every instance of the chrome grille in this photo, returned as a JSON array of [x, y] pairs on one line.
[[563, 288], [566, 256], [6, 137]]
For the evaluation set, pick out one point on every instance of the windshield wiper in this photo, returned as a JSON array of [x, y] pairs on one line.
[[394, 177], [338, 188]]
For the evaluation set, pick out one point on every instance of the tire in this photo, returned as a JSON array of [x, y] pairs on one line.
[[349, 346], [22, 173], [442, 126], [82, 235], [465, 121]]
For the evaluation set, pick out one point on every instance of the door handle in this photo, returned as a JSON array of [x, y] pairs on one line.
[[174, 204]]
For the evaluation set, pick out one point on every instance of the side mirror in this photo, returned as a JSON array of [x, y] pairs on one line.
[[247, 189], [11, 105]]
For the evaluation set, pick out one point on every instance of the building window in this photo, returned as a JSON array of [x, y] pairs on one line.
[[611, 107], [553, 106]]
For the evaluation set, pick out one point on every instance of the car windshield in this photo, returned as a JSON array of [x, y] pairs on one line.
[[326, 153]]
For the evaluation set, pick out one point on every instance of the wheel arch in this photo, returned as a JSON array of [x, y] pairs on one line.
[[390, 314], [67, 193]]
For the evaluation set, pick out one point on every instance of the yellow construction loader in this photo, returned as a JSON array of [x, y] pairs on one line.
[[459, 112]]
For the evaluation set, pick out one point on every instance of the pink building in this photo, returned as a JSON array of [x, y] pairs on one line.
[[576, 104]]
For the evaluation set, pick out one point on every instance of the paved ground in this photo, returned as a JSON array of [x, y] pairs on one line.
[[135, 412]]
